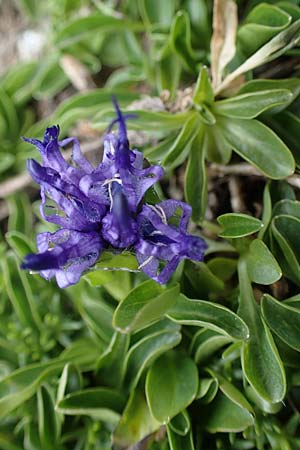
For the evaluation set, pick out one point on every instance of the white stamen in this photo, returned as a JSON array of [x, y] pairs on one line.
[[145, 262], [158, 209]]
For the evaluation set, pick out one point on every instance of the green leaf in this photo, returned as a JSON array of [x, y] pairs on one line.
[[262, 266], [283, 319], [70, 381], [258, 85], [145, 351], [20, 216], [238, 225], [196, 179], [209, 315], [144, 305], [157, 12], [203, 92], [223, 268], [260, 146], [267, 211], [286, 229], [201, 281], [287, 208], [9, 113], [232, 392], [180, 36], [136, 422], [181, 147], [216, 148], [260, 359], [103, 404], [286, 125], [208, 389], [47, 418], [263, 22], [20, 293], [175, 376], [84, 27], [23, 383], [145, 120], [274, 48], [20, 243], [6, 161], [205, 343], [97, 315], [111, 363], [178, 441], [250, 105], [180, 424], [224, 415]]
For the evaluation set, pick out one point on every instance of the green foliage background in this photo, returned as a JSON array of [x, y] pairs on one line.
[[210, 361]]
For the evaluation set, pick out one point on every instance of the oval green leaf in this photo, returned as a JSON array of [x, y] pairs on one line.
[[284, 320], [210, 315], [259, 145], [262, 266], [171, 385], [261, 363], [238, 225]]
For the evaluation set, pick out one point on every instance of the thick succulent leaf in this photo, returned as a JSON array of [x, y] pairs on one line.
[[100, 403], [283, 319], [145, 304], [224, 415], [145, 351], [171, 385], [262, 23], [248, 106], [260, 146], [236, 225], [110, 365], [258, 85], [286, 230], [136, 422], [262, 266], [210, 315], [205, 343], [261, 363]]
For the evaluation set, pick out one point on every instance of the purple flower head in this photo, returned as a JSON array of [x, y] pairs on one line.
[[163, 244], [102, 207], [119, 228]]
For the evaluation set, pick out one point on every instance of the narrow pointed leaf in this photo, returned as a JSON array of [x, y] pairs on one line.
[[248, 106]]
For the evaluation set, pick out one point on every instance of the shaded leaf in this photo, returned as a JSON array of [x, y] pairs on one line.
[[283, 319]]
